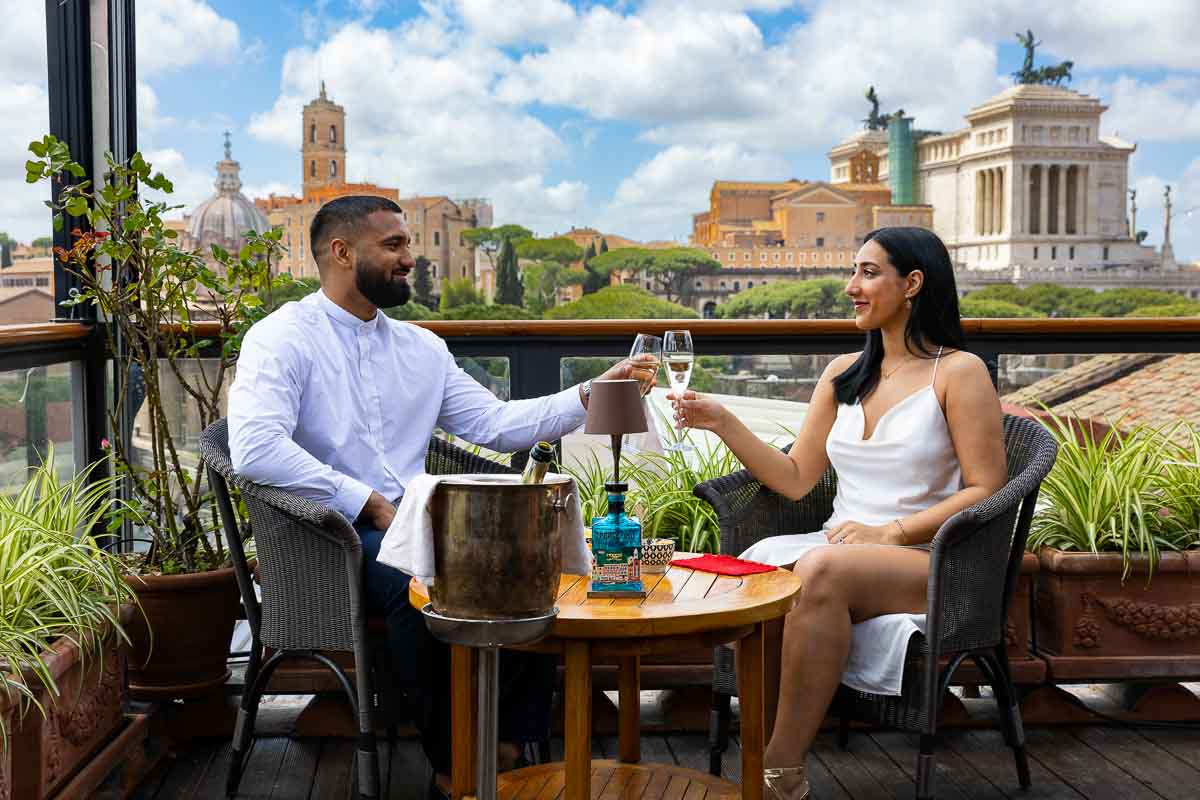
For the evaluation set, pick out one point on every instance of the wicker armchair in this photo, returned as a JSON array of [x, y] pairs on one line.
[[968, 598], [310, 570]]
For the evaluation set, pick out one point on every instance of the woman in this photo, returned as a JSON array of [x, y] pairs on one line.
[[912, 425]]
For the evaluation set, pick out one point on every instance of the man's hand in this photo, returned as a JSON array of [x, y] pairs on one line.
[[378, 512], [857, 533], [642, 368]]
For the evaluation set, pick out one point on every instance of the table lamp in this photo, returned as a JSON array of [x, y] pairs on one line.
[[615, 408]]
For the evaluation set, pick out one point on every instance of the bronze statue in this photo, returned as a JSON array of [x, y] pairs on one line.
[[1026, 75], [875, 121], [1048, 76]]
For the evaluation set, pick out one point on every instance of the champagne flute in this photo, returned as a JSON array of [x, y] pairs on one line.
[[679, 357], [646, 344]]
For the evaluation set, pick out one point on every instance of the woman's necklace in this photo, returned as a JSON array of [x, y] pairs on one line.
[[887, 375]]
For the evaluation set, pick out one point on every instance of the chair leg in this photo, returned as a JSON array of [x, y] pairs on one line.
[[543, 751], [843, 735], [719, 720], [1010, 712], [243, 731], [925, 765]]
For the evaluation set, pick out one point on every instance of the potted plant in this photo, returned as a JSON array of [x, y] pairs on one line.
[[147, 291], [1120, 518], [62, 642]]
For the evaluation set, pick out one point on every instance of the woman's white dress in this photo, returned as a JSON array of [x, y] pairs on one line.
[[908, 465]]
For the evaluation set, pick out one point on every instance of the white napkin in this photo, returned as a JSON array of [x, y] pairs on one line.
[[408, 542]]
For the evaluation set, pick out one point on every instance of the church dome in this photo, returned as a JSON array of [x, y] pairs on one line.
[[224, 218]]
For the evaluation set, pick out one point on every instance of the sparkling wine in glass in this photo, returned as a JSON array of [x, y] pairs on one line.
[[646, 344], [679, 357]]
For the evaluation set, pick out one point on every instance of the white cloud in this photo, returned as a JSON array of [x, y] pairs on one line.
[[513, 21], [699, 76], [1185, 198], [23, 44], [1144, 111], [174, 34], [530, 202], [1148, 33], [667, 189], [263, 190], [191, 186], [432, 126]]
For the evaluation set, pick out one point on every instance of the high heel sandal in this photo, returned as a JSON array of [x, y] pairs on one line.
[[773, 778]]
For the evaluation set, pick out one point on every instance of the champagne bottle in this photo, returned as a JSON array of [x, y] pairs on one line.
[[541, 455]]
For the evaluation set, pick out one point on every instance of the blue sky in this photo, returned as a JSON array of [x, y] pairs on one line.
[[617, 115]]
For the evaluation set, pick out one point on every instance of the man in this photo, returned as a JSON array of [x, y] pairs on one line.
[[336, 402]]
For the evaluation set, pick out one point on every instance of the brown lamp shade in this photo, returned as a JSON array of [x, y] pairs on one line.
[[615, 407]]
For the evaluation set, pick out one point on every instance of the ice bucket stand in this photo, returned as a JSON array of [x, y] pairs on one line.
[[487, 636]]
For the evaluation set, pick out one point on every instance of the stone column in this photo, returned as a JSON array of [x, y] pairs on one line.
[[1017, 191], [1043, 199], [979, 203], [1081, 191], [985, 208], [998, 207], [1062, 199]]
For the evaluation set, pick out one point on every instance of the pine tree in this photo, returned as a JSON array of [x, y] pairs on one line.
[[422, 283], [590, 253], [509, 289]]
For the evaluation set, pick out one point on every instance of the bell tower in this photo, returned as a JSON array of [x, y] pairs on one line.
[[323, 148]]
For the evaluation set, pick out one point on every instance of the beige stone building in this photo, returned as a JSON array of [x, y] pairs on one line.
[[436, 222], [1030, 181], [796, 224], [27, 291]]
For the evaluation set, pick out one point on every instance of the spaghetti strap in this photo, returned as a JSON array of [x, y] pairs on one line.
[[936, 361]]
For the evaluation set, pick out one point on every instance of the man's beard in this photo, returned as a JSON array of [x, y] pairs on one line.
[[376, 286]]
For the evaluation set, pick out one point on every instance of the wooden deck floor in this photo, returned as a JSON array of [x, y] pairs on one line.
[[1068, 762]]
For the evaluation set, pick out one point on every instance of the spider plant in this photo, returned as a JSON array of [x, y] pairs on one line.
[[56, 580], [664, 491], [590, 475], [1179, 481], [1105, 495]]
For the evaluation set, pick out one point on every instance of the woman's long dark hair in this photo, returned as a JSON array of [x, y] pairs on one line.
[[933, 321]]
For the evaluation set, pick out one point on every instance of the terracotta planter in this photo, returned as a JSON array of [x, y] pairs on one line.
[[47, 751], [192, 618], [1090, 626]]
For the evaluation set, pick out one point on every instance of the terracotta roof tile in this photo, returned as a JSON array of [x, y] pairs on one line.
[[1160, 394]]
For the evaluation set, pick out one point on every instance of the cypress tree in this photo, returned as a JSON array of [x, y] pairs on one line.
[[423, 283], [509, 289], [603, 245]]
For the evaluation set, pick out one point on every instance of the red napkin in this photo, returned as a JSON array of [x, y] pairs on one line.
[[723, 565]]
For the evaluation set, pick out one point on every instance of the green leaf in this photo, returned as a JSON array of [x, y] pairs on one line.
[[76, 206], [75, 169], [38, 149], [58, 222]]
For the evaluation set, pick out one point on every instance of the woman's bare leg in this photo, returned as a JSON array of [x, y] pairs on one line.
[[842, 585]]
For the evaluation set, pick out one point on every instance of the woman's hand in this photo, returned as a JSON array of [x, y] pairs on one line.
[[857, 533], [693, 410]]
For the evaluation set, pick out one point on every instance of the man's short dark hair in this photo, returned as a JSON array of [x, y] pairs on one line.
[[342, 217]]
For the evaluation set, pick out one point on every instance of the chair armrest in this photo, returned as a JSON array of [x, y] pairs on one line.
[[747, 511], [444, 458], [977, 552]]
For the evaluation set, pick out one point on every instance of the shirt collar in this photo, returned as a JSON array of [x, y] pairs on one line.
[[341, 315]]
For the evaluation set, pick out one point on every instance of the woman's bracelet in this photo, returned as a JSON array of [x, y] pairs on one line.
[[903, 533]]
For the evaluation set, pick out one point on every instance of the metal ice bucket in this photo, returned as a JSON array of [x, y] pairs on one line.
[[498, 545]]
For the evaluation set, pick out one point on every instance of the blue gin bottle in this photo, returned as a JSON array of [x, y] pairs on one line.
[[616, 548]]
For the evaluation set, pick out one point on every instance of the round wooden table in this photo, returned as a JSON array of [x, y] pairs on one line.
[[682, 608]]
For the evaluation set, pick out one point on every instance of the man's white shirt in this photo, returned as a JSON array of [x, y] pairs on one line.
[[330, 407]]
